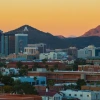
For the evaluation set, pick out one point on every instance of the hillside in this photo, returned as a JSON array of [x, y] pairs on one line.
[[37, 36], [92, 32]]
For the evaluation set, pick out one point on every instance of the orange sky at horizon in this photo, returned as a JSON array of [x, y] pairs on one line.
[[59, 17]]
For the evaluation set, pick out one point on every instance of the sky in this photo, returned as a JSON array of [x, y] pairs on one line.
[[59, 17]]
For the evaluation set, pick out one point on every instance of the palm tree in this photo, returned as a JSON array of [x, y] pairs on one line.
[[36, 65], [50, 83], [56, 66], [47, 67], [44, 61], [19, 64], [35, 78], [52, 69]]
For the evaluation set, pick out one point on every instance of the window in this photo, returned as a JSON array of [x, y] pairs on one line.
[[75, 95], [81, 95], [69, 94], [87, 95]]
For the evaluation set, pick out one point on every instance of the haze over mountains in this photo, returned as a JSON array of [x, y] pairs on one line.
[[37, 36]]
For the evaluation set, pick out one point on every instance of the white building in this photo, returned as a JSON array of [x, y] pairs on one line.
[[41, 47], [9, 71], [90, 51], [53, 55], [50, 96], [83, 94], [30, 50]]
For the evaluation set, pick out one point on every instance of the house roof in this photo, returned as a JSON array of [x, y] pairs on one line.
[[44, 93]]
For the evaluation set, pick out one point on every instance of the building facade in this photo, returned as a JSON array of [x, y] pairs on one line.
[[83, 94], [68, 76], [41, 47], [21, 41], [39, 80], [53, 55], [31, 50], [88, 52]]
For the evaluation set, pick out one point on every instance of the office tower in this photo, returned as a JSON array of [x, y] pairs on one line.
[[21, 41], [7, 44], [4, 44]]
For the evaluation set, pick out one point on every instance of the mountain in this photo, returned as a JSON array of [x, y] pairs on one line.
[[60, 36], [71, 36], [37, 36], [92, 32]]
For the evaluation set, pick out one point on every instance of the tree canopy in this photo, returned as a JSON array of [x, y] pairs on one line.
[[80, 82]]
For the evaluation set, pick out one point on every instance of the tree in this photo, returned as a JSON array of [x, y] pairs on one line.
[[23, 71], [28, 89], [35, 78], [7, 80], [55, 66], [50, 82], [51, 69], [7, 88], [24, 87], [19, 64], [77, 62], [36, 65], [26, 66], [3, 64], [47, 67], [44, 61], [80, 82]]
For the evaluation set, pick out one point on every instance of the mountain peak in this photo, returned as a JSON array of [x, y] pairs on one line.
[[60, 36], [92, 32]]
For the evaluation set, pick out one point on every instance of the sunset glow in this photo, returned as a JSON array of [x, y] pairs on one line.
[[59, 17]]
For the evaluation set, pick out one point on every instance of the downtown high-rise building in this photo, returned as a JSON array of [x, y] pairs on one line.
[[13, 43], [21, 41]]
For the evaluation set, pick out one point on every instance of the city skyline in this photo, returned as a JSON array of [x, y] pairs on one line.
[[58, 17]]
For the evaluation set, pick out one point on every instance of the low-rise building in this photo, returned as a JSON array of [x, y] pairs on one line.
[[83, 94], [41, 47], [90, 68], [88, 52], [53, 55], [9, 71], [68, 76], [91, 87], [33, 80], [50, 95], [31, 50]]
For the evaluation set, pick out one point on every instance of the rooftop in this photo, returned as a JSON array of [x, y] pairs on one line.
[[19, 97]]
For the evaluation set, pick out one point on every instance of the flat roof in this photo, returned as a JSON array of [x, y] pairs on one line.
[[19, 97]]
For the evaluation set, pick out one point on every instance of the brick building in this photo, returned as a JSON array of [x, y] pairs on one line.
[[68, 76], [30, 64], [90, 68]]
